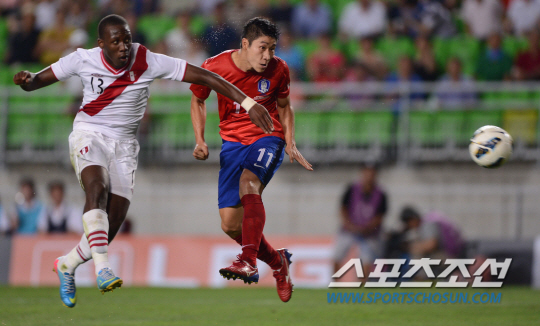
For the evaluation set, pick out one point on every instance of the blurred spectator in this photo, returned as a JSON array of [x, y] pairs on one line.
[[45, 13], [107, 7], [358, 73], [22, 41], [29, 210], [78, 15], [436, 19], [371, 59], [178, 38], [524, 15], [425, 64], [207, 7], [326, 64], [527, 63], [219, 36], [5, 225], [455, 90], [136, 35], [281, 13], [311, 19], [421, 17], [363, 207], [362, 18], [53, 41], [238, 12], [291, 53], [482, 17], [493, 64], [404, 74], [73, 85], [60, 216], [432, 236]]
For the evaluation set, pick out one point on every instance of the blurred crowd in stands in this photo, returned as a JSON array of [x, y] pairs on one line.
[[322, 41], [29, 215]]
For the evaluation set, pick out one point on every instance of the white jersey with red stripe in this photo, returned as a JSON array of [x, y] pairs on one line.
[[115, 99]]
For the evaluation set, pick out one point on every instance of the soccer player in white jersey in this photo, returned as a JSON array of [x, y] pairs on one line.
[[103, 149]]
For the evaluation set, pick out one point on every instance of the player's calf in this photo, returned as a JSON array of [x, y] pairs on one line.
[[96, 228]]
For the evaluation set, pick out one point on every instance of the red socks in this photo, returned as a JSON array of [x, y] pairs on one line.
[[252, 227]]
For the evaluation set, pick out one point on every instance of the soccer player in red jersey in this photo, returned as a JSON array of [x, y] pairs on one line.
[[103, 149], [249, 157]]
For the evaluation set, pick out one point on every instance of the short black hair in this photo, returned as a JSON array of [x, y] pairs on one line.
[[409, 213], [257, 27], [27, 181], [111, 20], [56, 184]]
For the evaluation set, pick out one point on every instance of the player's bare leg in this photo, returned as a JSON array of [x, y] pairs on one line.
[[232, 223]]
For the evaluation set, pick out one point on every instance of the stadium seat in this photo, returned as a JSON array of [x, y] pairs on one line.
[[441, 50], [521, 125], [308, 129], [3, 37], [478, 118], [307, 46], [155, 27], [513, 45], [342, 129], [23, 130], [467, 49], [375, 128], [56, 129], [448, 127], [420, 128], [394, 48], [211, 132]]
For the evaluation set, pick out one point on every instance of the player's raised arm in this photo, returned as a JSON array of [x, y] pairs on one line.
[[32, 81], [257, 113], [286, 116], [198, 119]]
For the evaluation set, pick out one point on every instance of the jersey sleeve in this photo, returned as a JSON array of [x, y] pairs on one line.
[[67, 66], [165, 67], [284, 87], [201, 91]]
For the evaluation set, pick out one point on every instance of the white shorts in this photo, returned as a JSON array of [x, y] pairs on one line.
[[118, 157], [368, 248]]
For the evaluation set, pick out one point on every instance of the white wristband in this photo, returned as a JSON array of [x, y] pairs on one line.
[[248, 103]]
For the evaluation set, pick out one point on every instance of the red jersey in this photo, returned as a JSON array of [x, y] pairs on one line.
[[265, 88]]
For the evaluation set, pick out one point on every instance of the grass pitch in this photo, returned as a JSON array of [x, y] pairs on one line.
[[253, 306]]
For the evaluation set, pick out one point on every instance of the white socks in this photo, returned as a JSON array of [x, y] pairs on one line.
[[96, 229], [78, 255]]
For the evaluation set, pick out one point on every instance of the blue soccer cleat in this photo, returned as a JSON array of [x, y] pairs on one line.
[[107, 281], [67, 286]]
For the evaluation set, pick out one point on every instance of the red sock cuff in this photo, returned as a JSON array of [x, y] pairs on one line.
[[251, 199]]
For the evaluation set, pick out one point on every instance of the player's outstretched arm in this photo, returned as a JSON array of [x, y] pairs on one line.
[[198, 119], [30, 81], [257, 113], [286, 116]]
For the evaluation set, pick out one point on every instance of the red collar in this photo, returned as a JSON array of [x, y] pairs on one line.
[[110, 68]]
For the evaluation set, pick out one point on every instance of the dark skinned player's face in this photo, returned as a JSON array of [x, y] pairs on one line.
[[116, 45]]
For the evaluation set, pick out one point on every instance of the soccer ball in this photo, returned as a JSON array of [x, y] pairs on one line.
[[490, 146]]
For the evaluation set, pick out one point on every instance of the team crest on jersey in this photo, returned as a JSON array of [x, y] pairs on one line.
[[264, 85], [84, 150]]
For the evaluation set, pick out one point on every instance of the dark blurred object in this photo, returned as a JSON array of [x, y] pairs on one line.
[[219, 36], [23, 40]]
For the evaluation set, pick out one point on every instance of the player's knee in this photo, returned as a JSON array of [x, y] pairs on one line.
[[248, 186], [232, 229], [96, 193]]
